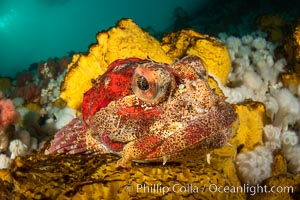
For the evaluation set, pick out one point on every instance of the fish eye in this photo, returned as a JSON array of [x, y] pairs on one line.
[[152, 82], [142, 83]]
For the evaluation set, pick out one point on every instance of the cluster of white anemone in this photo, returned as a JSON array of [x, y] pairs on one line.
[[254, 166], [254, 76], [57, 117], [51, 93], [18, 147], [287, 141], [23, 142]]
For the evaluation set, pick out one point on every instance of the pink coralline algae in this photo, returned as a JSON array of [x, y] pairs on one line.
[[8, 115], [53, 67], [30, 93], [63, 64], [24, 78]]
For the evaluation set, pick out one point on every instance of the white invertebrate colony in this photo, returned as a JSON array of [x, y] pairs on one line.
[[254, 76]]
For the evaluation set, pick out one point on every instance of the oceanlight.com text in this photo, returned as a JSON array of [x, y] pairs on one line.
[[213, 188]]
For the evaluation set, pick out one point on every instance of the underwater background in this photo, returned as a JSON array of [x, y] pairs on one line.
[[37, 29], [52, 52]]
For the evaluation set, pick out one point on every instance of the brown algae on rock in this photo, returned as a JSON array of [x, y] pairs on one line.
[[98, 177]]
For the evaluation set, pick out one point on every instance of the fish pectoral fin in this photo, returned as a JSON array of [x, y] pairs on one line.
[[70, 139]]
